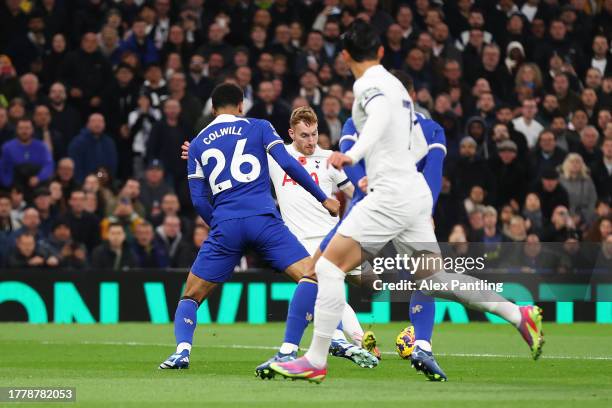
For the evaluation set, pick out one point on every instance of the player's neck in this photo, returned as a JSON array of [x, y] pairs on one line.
[[228, 111], [359, 68]]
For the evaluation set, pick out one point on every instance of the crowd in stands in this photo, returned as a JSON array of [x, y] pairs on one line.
[[97, 96]]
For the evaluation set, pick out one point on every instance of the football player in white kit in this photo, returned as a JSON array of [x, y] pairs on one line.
[[397, 208], [310, 226]]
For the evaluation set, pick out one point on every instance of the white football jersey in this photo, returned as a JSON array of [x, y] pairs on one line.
[[391, 160], [303, 214]]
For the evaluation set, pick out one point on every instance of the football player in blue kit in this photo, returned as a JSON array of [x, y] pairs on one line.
[[230, 189]]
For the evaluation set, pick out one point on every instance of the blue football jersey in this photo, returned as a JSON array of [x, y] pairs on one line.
[[357, 171], [230, 156], [434, 136]]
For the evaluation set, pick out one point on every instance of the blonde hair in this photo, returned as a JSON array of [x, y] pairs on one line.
[[565, 167], [303, 114], [537, 75]]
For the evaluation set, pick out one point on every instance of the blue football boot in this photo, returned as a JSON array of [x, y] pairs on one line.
[[263, 370], [424, 361]]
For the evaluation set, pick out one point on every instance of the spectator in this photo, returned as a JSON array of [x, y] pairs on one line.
[[155, 86], [602, 172], [588, 148], [551, 193], [170, 205], [42, 203], [65, 176], [30, 92], [560, 226], [118, 100], [197, 83], [568, 100], [470, 170], [114, 254], [29, 254], [25, 161], [140, 43], [581, 190], [153, 188], [148, 252], [30, 224], [532, 212], [510, 175], [527, 124], [71, 254], [191, 107], [270, 108], [140, 124], [169, 235], [53, 139], [124, 215], [87, 72], [517, 230], [165, 142], [92, 149], [331, 110], [64, 117], [84, 226], [546, 155], [599, 231]]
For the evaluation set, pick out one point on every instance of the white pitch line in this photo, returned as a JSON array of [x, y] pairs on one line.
[[253, 347]]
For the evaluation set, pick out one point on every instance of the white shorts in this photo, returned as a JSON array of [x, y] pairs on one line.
[[380, 218], [312, 244]]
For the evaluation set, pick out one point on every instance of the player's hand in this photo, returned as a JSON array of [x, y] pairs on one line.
[[332, 206], [339, 160], [185, 151], [363, 184]]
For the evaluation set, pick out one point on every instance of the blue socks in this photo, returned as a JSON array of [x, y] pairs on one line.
[[301, 310], [422, 312], [185, 320]]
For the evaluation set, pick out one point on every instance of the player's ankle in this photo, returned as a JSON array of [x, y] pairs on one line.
[[423, 345], [183, 346]]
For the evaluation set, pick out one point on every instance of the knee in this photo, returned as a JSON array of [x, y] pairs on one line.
[[326, 269]]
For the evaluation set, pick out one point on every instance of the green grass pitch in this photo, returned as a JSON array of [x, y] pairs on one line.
[[487, 365]]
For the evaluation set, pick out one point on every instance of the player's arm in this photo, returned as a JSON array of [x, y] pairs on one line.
[[199, 188], [434, 163], [378, 111]]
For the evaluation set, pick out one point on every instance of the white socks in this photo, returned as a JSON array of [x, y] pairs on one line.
[[328, 310], [183, 346], [423, 344], [350, 324], [482, 300], [287, 348]]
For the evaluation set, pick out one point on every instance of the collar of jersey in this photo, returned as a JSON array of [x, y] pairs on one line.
[[224, 118], [373, 70]]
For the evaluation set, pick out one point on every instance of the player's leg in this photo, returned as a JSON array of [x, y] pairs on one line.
[[528, 319], [342, 255], [282, 250], [422, 311], [214, 264]]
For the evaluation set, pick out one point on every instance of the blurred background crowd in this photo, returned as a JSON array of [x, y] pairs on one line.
[[97, 96]]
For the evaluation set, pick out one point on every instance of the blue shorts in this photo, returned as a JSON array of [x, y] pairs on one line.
[[227, 240]]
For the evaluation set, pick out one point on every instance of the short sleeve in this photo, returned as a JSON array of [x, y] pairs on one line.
[[368, 95], [269, 135], [194, 167]]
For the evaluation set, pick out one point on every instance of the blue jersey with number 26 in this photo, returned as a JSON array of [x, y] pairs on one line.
[[229, 156]]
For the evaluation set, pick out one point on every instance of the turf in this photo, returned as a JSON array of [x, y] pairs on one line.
[[487, 365]]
